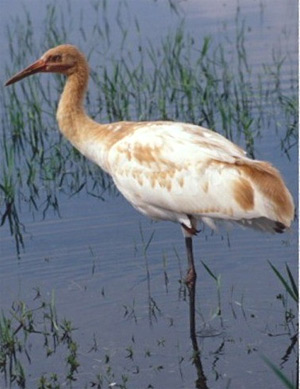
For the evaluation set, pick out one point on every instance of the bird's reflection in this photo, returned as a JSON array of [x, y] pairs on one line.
[[200, 382]]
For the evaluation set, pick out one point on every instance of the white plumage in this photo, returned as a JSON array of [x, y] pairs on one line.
[[182, 172]]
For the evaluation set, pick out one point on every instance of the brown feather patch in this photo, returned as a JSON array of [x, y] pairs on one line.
[[270, 183], [145, 154], [243, 194]]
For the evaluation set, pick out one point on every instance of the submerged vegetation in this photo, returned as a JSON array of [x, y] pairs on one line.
[[201, 82]]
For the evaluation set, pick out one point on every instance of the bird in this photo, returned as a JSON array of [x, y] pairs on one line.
[[167, 170]]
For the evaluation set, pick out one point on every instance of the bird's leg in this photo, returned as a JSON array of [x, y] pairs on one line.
[[190, 282], [189, 230], [191, 274]]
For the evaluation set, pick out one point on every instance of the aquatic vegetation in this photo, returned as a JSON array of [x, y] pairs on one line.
[[289, 284], [180, 79], [217, 279], [285, 381], [17, 331], [28, 330]]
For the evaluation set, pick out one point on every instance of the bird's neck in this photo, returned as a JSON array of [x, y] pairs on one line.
[[70, 113], [85, 134]]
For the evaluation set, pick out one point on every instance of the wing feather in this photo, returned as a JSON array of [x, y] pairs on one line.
[[170, 170]]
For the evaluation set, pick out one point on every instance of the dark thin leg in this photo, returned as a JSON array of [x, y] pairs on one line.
[[191, 285], [191, 272], [190, 281]]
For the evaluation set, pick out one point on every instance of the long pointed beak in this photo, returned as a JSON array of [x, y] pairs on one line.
[[37, 66]]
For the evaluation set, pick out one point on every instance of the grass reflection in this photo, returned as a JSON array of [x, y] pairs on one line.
[[180, 78]]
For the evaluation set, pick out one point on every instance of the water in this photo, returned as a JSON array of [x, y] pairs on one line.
[[131, 304]]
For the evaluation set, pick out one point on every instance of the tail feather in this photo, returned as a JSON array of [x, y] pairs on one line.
[[261, 223], [264, 224]]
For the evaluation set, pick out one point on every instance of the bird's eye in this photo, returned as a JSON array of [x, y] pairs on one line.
[[56, 58]]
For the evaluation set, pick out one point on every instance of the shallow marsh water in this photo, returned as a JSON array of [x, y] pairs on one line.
[[123, 296]]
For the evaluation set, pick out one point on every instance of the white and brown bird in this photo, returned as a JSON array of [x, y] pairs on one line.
[[169, 171]]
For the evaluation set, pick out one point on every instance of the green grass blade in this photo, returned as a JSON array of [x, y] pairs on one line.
[[287, 383], [292, 280], [210, 272], [285, 283]]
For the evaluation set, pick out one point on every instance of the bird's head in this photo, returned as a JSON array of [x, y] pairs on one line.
[[64, 59]]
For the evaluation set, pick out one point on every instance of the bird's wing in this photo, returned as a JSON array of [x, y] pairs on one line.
[[160, 145], [173, 170], [167, 169]]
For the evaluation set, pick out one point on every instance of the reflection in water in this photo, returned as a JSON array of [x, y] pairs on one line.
[[201, 379], [39, 180]]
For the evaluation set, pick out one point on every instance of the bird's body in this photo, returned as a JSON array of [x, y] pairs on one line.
[[168, 170], [181, 172]]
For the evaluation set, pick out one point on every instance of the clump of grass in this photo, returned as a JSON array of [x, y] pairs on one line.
[[10, 366], [38, 331], [17, 331], [8, 186]]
